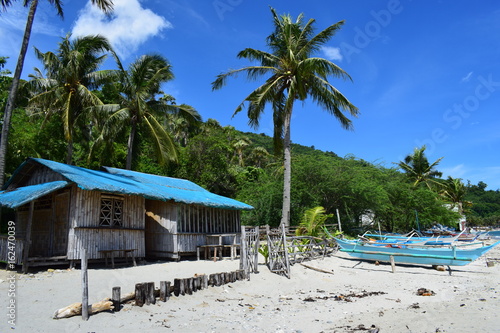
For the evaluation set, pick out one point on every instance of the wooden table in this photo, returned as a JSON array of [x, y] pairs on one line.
[[111, 253], [217, 241]]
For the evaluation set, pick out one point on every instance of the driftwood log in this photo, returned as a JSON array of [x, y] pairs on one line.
[[317, 269], [75, 309]]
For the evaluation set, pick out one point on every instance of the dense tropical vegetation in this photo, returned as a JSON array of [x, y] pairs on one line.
[[171, 139]]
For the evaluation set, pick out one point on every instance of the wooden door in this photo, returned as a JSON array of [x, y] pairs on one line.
[[61, 221]]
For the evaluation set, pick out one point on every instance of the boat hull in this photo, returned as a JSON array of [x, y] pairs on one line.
[[449, 256]]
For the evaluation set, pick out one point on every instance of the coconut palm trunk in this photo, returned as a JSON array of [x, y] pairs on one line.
[[9, 108], [130, 145], [287, 177]]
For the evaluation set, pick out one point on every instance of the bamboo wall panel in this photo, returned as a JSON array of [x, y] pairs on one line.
[[87, 232], [41, 233], [88, 204], [95, 240], [161, 228], [39, 175], [188, 242], [208, 220], [60, 224], [4, 249]]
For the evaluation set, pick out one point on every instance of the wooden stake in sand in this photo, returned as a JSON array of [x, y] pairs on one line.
[[85, 287], [116, 298]]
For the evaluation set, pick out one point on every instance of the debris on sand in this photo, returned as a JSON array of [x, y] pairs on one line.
[[425, 292]]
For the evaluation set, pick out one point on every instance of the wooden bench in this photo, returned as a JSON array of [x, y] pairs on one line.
[[208, 249], [112, 253], [233, 248]]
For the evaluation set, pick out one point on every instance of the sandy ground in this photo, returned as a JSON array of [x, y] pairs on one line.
[[358, 297]]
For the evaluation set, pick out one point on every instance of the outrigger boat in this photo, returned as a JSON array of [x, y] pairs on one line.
[[453, 255]]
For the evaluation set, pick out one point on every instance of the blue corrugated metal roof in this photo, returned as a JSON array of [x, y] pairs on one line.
[[135, 183], [23, 195], [179, 190]]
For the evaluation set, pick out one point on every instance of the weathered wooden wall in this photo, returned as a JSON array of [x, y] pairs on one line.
[[207, 220], [6, 249], [161, 229], [49, 230], [86, 232], [173, 229], [38, 174]]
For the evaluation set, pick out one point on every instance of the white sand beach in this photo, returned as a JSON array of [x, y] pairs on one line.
[[357, 297]]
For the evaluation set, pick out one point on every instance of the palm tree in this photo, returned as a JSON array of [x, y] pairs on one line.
[[313, 222], [419, 170], [258, 156], [454, 191], [182, 120], [294, 74], [104, 5], [239, 146], [71, 76], [138, 108]]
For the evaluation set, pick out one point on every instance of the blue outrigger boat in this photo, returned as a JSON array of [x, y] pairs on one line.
[[455, 255]]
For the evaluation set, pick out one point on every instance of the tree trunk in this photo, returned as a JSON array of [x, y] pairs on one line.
[[9, 108], [130, 146], [285, 217], [69, 152]]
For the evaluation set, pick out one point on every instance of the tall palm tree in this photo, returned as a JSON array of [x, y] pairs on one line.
[[294, 74], [139, 109], [104, 5], [419, 170], [71, 77]]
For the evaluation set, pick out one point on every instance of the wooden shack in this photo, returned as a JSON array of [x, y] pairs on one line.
[[61, 209]]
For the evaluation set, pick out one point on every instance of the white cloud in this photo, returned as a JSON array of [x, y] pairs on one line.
[[457, 171], [127, 28], [332, 53], [467, 77]]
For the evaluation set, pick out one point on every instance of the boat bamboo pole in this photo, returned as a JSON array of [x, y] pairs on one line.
[[408, 255]]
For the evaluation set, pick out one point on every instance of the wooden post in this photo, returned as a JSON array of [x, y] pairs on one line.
[[85, 286], [188, 285], [211, 280], [196, 283], [338, 218], [140, 295], [27, 239], [205, 282], [164, 291], [256, 252], [115, 298], [243, 249], [150, 293], [177, 287], [393, 264]]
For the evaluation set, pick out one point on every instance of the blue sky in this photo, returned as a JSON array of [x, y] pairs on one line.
[[424, 72]]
